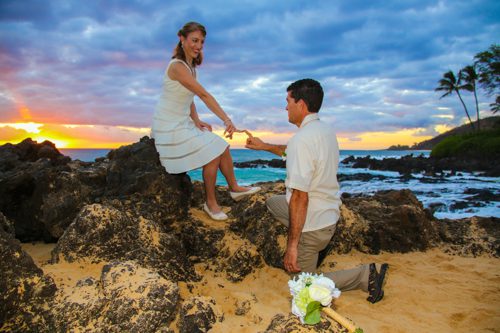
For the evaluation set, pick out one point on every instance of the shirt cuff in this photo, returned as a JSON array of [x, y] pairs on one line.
[[298, 186]]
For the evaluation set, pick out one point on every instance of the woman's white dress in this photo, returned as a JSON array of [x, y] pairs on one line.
[[181, 145]]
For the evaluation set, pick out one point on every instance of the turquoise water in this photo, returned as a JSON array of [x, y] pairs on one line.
[[444, 192]]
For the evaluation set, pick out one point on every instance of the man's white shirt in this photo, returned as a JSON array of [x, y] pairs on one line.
[[312, 159]]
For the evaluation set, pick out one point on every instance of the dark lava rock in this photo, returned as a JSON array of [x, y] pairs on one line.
[[6, 225], [363, 177], [201, 242], [103, 233], [42, 192], [274, 163], [243, 262], [256, 224], [470, 237], [290, 323], [430, 166], [26, 293], [14, 156], [484, 195], [393, 221], [198, 315]]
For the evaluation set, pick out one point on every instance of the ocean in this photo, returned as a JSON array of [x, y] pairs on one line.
[[449, 197]]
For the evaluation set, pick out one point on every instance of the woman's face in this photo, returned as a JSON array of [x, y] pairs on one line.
[[193, 44]]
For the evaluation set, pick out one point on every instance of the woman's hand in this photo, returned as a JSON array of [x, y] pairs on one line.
[[230, 129], [203, 125]]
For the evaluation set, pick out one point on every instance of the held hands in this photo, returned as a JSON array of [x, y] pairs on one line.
[[230, 128], [254, 143]]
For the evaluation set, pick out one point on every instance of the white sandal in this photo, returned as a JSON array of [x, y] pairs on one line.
[[220, 216], [237, 196]]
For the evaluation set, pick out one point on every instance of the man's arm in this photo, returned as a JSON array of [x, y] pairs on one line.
[[257, 144], [298, 211]]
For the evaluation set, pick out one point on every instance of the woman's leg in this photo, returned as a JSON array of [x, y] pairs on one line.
[[209, 179], [227, 169]]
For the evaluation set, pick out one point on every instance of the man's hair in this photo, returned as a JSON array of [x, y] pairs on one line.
[[308, 90]]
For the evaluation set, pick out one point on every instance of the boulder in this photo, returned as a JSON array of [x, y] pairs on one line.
[[41, 190], [27, 293], [198, 315], [127, 298], [290, 323], [102, 234], [256, 224], [470, 237], [393, 221]]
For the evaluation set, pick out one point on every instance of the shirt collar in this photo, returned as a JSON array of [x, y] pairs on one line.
[[307, 119]]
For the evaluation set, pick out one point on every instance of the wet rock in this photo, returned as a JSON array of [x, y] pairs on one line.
[[198, 315], [437, 207], [27, 294], [428, 165], [363, 177], [482, 195], [103, 233], [274, 163]]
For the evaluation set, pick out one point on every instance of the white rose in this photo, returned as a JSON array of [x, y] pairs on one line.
[[328, 283], [321, 294]]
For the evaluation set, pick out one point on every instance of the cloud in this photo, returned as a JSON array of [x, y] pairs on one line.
[[102, 63]]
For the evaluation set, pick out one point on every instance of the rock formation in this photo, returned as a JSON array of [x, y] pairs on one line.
[[125, 213]]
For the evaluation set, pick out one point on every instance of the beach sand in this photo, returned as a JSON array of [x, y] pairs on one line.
[[425, 292]]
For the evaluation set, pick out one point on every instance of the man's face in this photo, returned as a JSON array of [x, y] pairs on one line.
[[294, 110]]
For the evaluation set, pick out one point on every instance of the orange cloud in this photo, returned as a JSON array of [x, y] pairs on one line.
[[101, 136], [381, 140]]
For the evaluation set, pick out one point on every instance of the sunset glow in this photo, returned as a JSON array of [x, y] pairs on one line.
[[84, 75], [100, 137]]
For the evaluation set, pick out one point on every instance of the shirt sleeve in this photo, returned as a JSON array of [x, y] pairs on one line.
[[299, 165]]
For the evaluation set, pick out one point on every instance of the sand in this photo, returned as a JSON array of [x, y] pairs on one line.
[[425, 292]]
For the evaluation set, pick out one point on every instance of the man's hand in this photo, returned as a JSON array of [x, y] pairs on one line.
[[255, 143], [290, 260]]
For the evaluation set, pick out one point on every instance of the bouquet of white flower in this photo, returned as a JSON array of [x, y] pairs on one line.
[[312, 293]]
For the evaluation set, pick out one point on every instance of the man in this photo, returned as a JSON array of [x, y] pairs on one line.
[[311, 207]]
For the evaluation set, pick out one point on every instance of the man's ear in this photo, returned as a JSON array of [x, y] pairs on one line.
[[303, 106]]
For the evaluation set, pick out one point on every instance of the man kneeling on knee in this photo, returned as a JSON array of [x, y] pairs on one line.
[[311, 207]]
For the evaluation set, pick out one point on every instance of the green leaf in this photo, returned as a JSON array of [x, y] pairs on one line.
[[358, 330], [313, 316]]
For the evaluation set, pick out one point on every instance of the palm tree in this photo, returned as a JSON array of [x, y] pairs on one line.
[[470, 77], [450, 84]]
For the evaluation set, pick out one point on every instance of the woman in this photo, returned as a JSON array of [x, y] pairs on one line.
[[183, 141]]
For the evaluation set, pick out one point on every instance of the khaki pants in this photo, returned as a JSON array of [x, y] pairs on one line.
[[311, 242]]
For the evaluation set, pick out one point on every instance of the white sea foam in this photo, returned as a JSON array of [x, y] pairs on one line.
[[442, 194]]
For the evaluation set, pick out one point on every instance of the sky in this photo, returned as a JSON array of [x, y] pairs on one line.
[[88, 74]]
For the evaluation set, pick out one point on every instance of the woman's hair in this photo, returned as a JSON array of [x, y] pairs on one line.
[[185, 31]]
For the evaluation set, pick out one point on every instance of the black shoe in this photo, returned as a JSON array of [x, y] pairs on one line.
[[376, 283]]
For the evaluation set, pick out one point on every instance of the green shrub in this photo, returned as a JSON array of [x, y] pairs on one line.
[[484, 144]]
